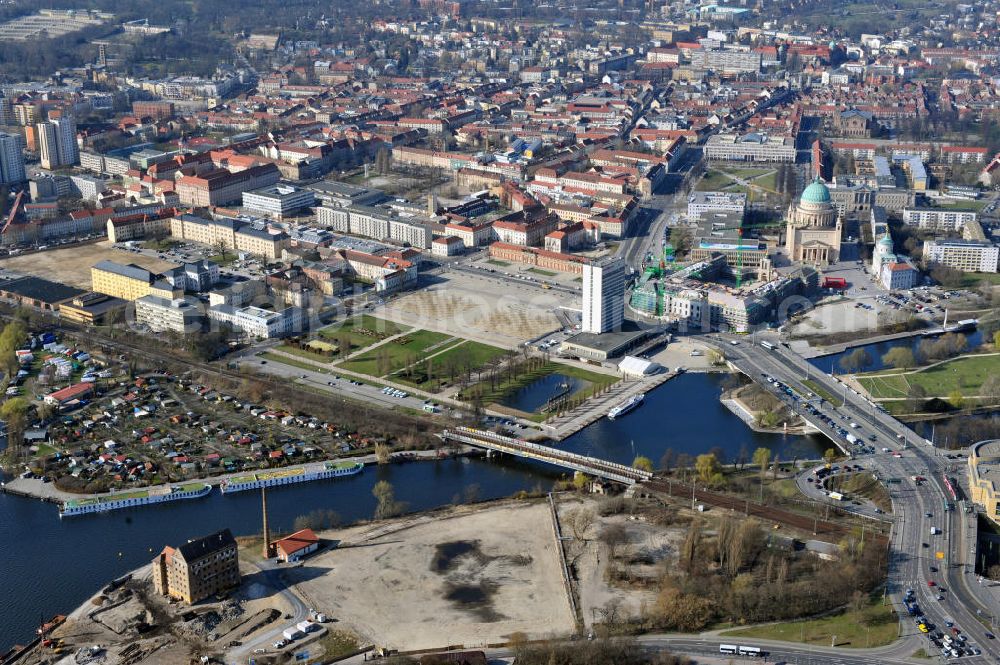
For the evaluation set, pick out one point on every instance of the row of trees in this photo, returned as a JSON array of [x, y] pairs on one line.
[[929, 350]]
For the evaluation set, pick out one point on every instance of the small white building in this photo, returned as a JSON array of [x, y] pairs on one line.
[[633, 366], [899, 275], [296, 546], [447, 246]]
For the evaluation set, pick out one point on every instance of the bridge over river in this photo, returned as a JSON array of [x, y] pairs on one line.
[[521, 448]]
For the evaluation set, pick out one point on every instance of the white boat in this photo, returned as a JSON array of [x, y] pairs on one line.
[[626, 406], [290, 476], [132, 499]]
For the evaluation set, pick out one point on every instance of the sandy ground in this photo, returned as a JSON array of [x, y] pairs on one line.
[[836, 317], [678, 354], [481, 308], [471, 577], [71, 265], [111, 625], [646, 542]]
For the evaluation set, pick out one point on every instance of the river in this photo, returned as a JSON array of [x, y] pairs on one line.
[[50, 565], [831, 363]]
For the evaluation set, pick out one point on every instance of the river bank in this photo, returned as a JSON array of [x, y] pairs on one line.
[[35, 488], [682, 416]]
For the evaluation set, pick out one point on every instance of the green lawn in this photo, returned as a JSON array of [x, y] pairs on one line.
[[768, 181], [965, 374], [223, 262], [594, 381], [401, 352], [356, 328], [971, 280], [712, 181], [498, 262], [435, 373], [874, 626], [539, 271], [302, 353], [976, 205]]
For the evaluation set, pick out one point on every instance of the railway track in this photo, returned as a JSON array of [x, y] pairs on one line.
[[814, 525]]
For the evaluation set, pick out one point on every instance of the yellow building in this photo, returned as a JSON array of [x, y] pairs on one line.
[[92, 308], [128, 282], [984, 472]]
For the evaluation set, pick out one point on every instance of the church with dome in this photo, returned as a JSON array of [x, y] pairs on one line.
[[813, 230]]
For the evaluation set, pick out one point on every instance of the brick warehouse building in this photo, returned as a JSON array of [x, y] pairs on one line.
[[197, 569]]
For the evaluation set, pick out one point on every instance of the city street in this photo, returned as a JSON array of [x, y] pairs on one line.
[[943, 594]]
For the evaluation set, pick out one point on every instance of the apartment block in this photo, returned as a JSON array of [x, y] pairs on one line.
[[938, 219], [128, 282], [234, 234], [11, 159], [222, 187], [180, 315], [964, 255], [278, 201]]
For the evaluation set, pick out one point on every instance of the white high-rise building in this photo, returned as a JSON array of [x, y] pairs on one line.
[[11, 158], [57, 143], [603, 295]]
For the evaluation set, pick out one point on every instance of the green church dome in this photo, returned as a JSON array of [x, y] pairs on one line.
[[816, 192]]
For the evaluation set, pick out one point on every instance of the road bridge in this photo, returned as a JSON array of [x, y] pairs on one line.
[[504, 444]]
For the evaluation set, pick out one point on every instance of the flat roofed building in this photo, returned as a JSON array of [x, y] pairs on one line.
[[938, 219], [603, 295], [278, 201], [964, 255], [181, 315], [92, 308], [702, 202], [198, 568], [125, 281], [984, 477], [753, 147]]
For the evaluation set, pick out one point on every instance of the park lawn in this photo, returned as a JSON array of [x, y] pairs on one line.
[[355, 324], [748, 174], [966, 374], [712, 181], [399, 353], [498, 262], [469, 354], [593, 381], [302, 353], [975, 205], [875, 626], [767, 181], [971, 280], [539, 271]]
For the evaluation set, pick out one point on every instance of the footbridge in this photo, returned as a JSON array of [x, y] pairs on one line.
[[521, 448]]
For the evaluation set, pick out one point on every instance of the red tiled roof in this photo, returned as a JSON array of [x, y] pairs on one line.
[[297, 541]]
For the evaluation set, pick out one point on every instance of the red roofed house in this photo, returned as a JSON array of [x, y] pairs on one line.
[[66, 395], [299, 544]]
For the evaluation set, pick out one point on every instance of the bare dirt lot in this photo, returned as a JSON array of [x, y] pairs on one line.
[[71, 265], [469, 577], [480, 308]]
